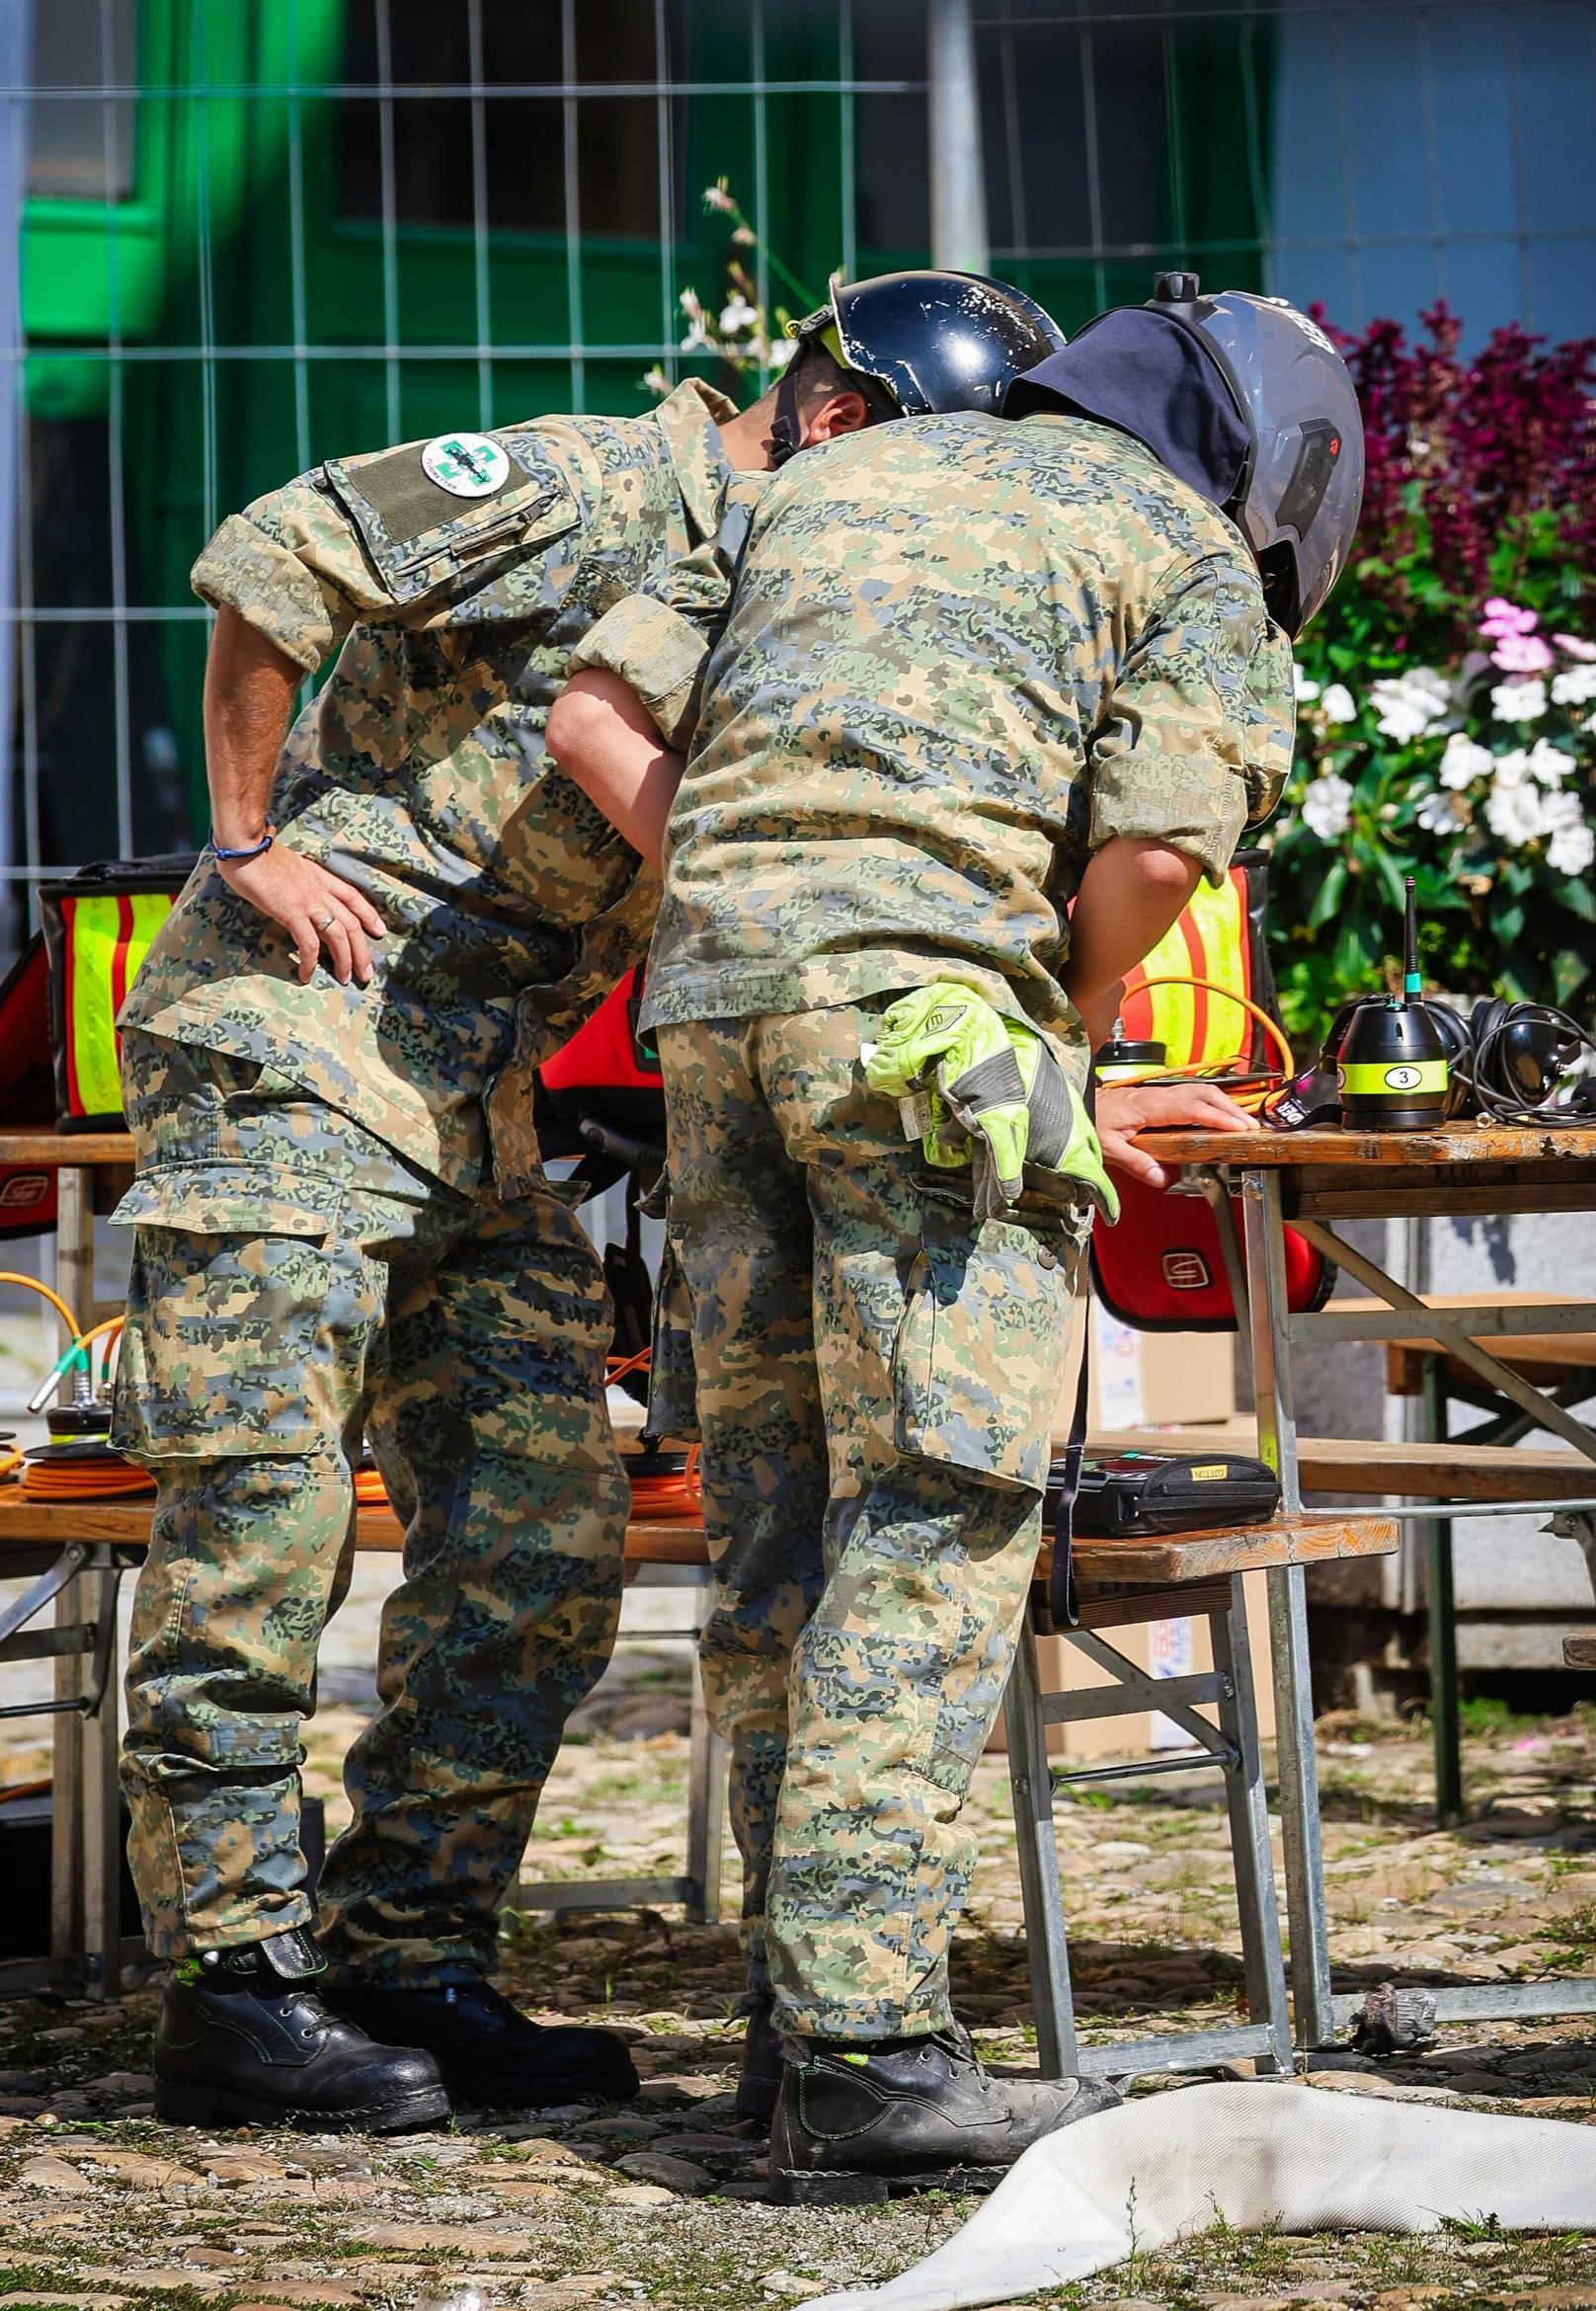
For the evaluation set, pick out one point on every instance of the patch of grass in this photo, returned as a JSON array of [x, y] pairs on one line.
[[1574, 1935], [1486, 1716]]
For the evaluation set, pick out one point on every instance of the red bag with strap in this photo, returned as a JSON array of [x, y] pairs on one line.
[[1161, 1267]]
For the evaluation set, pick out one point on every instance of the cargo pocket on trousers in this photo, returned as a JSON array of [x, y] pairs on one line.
[[234, 1289], [980, 1353]]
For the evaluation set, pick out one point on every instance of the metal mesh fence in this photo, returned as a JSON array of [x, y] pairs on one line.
[[254, 236]]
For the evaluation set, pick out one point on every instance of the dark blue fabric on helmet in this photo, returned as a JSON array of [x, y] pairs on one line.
[[1145, 373]]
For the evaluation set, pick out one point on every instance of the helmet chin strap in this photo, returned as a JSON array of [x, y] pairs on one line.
[[787, 426]]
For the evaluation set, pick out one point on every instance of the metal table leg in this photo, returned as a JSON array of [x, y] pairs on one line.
[[708, 1768], [74, 1241], [1047, 1941], [72, 1737], [1441, 1605], [1269, 1313]]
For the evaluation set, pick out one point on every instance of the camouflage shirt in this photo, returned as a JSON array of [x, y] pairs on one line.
[[962, 655], [418, 773]]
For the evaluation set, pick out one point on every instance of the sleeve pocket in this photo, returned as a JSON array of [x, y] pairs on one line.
[[420, 536], [980, 1353]]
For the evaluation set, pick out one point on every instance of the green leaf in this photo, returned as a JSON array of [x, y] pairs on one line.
[[1329, 896]]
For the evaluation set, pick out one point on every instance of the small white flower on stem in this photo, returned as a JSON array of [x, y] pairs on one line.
[[1406, 704], [1305, 691], [1515, 814], [1571, 849], [718, 198], [1327, 807], [1439, 814], [1337, 703], [1574, 688], [1519, 701], [1548, 763], [736, 316], [1463, 761]]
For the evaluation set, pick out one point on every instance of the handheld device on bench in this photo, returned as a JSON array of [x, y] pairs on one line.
[[1135, 1494]]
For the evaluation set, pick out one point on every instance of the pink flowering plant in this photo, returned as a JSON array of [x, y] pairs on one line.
[[1447, 695]]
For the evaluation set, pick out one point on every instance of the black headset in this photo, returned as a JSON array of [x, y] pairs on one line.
[[1507, 1061]]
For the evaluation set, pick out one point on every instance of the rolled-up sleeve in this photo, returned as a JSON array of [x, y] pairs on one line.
[[292, 566], [1195, 739], [659, 653]]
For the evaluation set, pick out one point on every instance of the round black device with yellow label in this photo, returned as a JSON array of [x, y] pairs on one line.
[[1394, 1072]]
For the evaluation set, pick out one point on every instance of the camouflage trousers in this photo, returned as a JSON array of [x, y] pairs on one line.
[[294, 1283], [877, 1377]]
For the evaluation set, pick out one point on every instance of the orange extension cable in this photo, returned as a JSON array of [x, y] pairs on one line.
[[659, 1495], [1211, 1071], [111, 1478]]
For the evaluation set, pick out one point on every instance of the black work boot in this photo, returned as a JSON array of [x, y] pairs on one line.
[[855, 2125], [489, 2055], [244, 2040], [759, 2080]]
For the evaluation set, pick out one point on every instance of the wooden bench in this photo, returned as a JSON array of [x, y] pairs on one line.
[[1541, 1358], [1181, 1575], [72, 1555], [1372, 1468]]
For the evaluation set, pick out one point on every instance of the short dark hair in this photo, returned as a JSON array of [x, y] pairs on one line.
[[819, 374]]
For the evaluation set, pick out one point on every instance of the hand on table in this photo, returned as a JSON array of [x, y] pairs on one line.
[[1124, 1109], [315, 908]]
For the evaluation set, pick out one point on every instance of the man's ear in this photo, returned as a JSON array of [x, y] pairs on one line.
[[840, 413]]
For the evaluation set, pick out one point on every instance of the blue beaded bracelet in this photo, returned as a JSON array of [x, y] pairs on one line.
[[254, 850]]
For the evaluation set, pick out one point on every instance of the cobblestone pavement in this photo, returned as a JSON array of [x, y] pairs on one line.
[[658, 2204]]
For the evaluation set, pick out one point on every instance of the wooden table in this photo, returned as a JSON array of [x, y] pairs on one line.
[[1312, 1179], [73, 1552], [91, 1168]]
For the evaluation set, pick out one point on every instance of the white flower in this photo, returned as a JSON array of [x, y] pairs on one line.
[[1574, 688], [1305, 691], [655, 380], [1408, 705], [1519, 701], [1515, 812], [1337, 703], [735, 315], [1463, 761], [1440, 814], [1326, 806], [1571, 849], [1547, 762]]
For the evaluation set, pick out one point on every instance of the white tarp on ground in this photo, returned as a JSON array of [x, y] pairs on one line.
[[1133, 2179]]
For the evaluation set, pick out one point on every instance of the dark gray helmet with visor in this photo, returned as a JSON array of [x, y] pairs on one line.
[[1244, 398], [1301, 488], [922, 341]]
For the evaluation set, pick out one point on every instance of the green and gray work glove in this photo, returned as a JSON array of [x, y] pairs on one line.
[[984, 1092]]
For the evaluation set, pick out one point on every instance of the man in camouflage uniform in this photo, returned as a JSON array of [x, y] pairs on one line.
[[973, 671], [343, 1222]]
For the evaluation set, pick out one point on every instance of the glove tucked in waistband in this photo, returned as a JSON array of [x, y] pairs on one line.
[[980, 1089]]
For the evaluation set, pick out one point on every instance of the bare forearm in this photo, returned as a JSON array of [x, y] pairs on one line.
[[606, 742], [1130, 894], [249, 695]]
